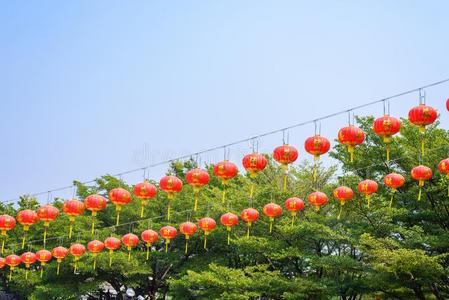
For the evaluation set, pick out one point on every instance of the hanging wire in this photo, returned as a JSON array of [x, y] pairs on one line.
[[164, 162]]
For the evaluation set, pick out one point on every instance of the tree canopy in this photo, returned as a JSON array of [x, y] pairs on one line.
[[377, 252]]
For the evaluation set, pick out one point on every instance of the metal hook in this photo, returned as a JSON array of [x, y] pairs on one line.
[[315, 126], [349, 117], [384, 106], [422, 96], [283, 136]]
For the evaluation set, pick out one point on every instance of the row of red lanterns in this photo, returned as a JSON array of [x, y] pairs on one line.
[[385, 126]]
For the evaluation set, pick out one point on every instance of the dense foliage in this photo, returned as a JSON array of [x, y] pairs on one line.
[[380, 252]]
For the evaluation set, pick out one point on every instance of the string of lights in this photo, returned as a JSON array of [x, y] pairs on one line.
[[225, 146]]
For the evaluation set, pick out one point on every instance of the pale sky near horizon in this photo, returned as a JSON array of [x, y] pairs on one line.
[[95, 87]]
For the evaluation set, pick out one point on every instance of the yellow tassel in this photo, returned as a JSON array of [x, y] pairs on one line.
[[58, 267], [110, 256], [118, 219], [166, 245], [205, 241], [26, 274], [23, 240], [142, 209], [391, 201], [187, 246], [285, 182], [70, 230], [315, 167], [3, 244], [388, 153], [341, 209], [351, 153], [10, 273], [95, 262], [271, 224], [45, 234], [223, 195], [129, 254], [293, 217], [195, 206], [76, 265], [148, 250], [228, 228], [42, 270], [317, 208], [368, 198], [251, 191], [419, 194], [422, 147], [169, 210], [247, 230]]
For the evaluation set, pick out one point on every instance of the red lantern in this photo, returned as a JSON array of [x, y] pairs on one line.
[[422, 115], [28, 258], [72, 208], [47, 213], [272, 211], [285, 155], [197, 178], [119, 197], [171, 185], [229, 220], [253, 164], [249, 215], [94, 203], [225, 170], [367, 187], [207, 225], [293, 205], [144, 191], [77, 250], [443, 167], [394, 181], [2, 262], [168, 233], [6, 223], [317, 199], [95, 247], [343, 194], [386, 127], [316, 145], [59, 253], [422, 174], [149, 237], [130, 241], [447, 104], [188, 229], [351, 136], [111, 243], [12, 261], [43, 256], [26, 218]]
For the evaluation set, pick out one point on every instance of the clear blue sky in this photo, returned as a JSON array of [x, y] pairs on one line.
[[89, 87]]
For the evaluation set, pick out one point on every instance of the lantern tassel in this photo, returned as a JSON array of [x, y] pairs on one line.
[[110, 256], [118, 218], [391, 201], [419, 194], [75, 268], [368, 198], [271, 224], [3, 244], [167, 241], [247, 230], [251, 191], [169, 210], [351, 153], [205, 241], [42, 270], [93, 226], [70, 229], [315, 167], [228, 228], [285, 182], [388, 153], [142, 209], [58, 267], [341, 210], [10, 273], [223, 195], [95, 262], [195, 205], [23, 239], [26, 274], [422, 147], [129, 254], [45, 234], [148, 250]]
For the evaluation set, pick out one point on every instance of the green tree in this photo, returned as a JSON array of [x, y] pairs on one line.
[[377, 252]]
